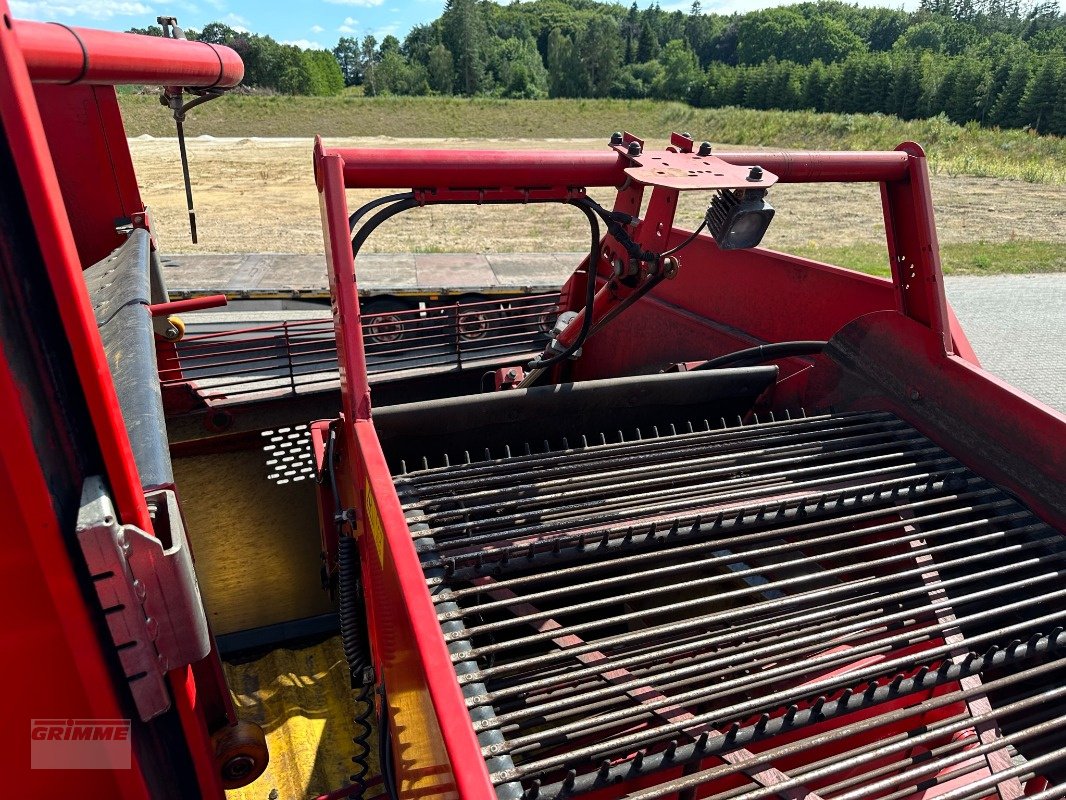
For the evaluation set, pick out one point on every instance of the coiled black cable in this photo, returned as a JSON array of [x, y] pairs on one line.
[[354, 636]]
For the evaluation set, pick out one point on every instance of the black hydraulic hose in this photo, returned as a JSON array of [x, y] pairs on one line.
[[366, 208], [766, 352], [590, 291], [388, 212]]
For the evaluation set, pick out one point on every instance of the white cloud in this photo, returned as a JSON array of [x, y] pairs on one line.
[[386, 30], [360, 3], [237, 22], [317, 29], [349, 25], [304, 44], [92, 9]]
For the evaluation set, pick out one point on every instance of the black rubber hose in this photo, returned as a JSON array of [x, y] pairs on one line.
[[590, 290], [366, 208], [371, 224], [765, 352]]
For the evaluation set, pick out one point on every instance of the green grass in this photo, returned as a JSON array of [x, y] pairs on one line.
[[976, 258], [952, 149]]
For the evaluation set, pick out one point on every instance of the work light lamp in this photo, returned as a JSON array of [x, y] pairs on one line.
[[738, 218]]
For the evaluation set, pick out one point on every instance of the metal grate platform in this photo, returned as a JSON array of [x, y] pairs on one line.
[[238, 364], [819, 607]]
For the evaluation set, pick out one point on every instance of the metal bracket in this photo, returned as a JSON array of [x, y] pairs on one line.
[[147, 589]]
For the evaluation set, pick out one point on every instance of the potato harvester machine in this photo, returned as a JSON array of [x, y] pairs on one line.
[[714, 521]]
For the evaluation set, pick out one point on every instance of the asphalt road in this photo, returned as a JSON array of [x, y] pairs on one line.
[[1017, 326]]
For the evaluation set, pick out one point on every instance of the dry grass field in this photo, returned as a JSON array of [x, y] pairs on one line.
[[258, 195]]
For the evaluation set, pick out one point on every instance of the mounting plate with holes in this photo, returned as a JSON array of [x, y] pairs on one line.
[[689, 171], [289, 458]]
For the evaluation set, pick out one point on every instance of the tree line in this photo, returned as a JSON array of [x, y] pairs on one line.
[[991, 62], [268, 64]]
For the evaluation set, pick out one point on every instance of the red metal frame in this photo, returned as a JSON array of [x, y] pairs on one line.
[[70, 676], [56, 53], [719, 302], [87, 140]]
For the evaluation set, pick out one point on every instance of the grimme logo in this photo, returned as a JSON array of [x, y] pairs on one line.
[[79, 744]]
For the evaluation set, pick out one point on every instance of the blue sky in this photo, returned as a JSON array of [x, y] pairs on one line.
[[311, 23]]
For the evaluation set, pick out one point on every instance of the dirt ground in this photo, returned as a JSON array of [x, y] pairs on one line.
[[258, 195]]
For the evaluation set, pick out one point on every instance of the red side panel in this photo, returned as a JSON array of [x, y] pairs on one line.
[[61, 669], [25, 134], [891, 362], [88, 145]]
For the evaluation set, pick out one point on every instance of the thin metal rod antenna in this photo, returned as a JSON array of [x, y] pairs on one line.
[[185, 172]]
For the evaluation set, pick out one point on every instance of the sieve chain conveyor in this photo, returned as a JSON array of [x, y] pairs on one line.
[[834, 591]]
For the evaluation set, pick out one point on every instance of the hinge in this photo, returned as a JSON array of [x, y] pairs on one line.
[[147, 589]]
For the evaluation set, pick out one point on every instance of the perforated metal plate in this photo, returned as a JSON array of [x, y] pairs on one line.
[[688, 171], [288, 454]]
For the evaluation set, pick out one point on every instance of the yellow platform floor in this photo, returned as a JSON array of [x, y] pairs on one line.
[[303, 701]]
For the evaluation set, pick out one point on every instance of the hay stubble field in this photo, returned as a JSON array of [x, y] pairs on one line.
[[258, 195], [1000, 196]]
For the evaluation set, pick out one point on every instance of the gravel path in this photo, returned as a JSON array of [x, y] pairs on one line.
[[1017, 326]]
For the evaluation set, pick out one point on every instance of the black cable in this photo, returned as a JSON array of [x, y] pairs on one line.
[[366, 208], [766, 352], [687, 241], [590, 290], [371, 224], [385, 754], [354, 635], [353, 632]]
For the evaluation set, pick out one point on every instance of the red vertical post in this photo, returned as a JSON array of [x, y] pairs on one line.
[[913, 249], [340, 269]]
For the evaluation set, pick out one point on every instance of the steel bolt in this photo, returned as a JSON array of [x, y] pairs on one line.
[[616, 138], [687, 135], [755, 174], [634, 148], [618, 267], [670, 267], [705, 149]]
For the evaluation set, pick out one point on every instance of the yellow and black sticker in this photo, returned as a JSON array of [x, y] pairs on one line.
[[373, 523]]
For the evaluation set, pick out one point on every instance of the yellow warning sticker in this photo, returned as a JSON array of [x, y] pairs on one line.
[[373, 522]]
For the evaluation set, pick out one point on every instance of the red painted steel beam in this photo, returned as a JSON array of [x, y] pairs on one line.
[[484, 169], [479, 169], [56, 53], [801, 166], [192, 304]]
